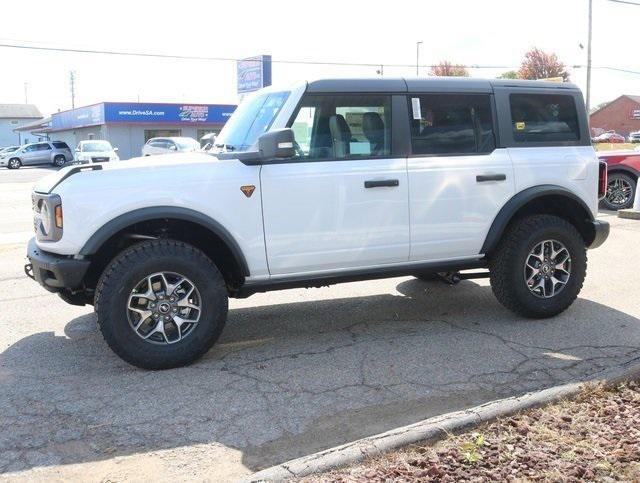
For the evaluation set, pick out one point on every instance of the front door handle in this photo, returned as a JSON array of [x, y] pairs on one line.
[[379, 183], [481, 178]]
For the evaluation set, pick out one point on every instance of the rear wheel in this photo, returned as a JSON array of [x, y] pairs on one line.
[[14, 163], [539, 266], [161, 304], [59, 161], [621, 189]]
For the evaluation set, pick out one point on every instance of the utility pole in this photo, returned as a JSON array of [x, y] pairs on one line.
[[418, 58], [26, 96], [588, 100], [72, 81]]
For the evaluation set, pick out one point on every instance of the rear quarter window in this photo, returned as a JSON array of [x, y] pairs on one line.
[[61, 145], [544, 118]]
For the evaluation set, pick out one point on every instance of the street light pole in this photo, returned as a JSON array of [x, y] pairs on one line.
[[418, 58], [26, 97], [588, 99]]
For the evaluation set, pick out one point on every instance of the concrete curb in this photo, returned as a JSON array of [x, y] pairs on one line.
[[432, 429], [629, 214]]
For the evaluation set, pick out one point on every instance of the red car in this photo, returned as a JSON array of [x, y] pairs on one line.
[[623, 168], [609, 137]]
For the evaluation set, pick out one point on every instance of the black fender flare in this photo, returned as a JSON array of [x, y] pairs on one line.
[[519, 200], [121, 222]]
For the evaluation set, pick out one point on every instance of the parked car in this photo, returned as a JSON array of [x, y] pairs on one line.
[[95, 151], [634, 137], [623, 170], [56, 153], [8, 149], [207, 141], [328, 204], [169, 145], [609, 137]]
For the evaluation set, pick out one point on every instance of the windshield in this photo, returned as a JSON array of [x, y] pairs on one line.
[[96, 146], [252, 118]]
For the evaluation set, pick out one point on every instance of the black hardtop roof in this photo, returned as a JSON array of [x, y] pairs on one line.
[[435, 84]]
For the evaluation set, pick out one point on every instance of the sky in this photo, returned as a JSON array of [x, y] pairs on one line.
[[471, 32]]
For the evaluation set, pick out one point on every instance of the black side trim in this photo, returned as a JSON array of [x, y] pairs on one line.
[[324, 280], [76, 169], [518, 201], [164, 212]]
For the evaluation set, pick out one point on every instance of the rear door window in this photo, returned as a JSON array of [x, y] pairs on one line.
[[544, 118], [449, 124]]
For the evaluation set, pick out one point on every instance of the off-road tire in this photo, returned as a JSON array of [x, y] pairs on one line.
[[59, 161], [139, 261], [506, 265], [12, 164]]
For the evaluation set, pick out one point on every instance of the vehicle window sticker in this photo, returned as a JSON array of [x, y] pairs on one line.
[[415, 105]]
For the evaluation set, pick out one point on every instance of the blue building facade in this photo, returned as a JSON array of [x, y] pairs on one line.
[[128, 125]]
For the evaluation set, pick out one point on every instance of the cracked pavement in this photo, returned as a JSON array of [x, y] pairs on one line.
[[294, 372]]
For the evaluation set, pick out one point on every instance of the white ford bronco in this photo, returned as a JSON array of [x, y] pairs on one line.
[[325, 182]]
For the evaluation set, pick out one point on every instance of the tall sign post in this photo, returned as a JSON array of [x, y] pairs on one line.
[[253, 73]]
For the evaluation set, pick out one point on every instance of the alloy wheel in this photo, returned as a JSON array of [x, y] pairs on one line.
[[619, 192], [547, 268], [164, 308]]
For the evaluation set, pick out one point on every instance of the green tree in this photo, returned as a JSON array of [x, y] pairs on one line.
[[448, 69], [510, 74]]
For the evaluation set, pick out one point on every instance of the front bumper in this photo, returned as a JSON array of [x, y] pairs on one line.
[[601, 231], [54, 272]]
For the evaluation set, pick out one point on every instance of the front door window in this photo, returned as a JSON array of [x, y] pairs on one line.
[[343, 127]]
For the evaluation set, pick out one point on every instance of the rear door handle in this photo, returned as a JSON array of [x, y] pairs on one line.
[[481, 178], [379, 183]]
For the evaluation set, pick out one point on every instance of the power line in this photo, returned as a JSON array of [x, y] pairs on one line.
[[281, 61], [626, 2], [224, 59]]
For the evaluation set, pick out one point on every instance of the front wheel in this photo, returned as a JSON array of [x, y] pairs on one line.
[[14, 163], [539, 266], [161, 304]]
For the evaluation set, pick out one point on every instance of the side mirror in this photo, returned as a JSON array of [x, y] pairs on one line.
[[173, 147], [277, 144]]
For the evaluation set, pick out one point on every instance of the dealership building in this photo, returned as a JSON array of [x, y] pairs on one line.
[[129, 125]]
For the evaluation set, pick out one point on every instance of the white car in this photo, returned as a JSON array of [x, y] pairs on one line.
[[326, 182], [170, 145], [8, 149], [95, 151]]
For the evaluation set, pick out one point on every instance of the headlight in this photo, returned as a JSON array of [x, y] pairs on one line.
[[47, 217]]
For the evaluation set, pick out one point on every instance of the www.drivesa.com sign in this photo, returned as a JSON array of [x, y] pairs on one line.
[[114, 112]]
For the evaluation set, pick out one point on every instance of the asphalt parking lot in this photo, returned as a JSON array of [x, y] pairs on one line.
[[294, 372]]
